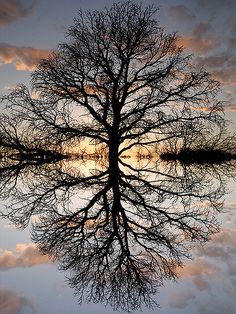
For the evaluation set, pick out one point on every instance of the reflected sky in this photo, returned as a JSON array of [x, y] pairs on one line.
[[131, 240]]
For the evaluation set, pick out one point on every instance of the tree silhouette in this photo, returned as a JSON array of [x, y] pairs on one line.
[[119, 80], [119, 234]]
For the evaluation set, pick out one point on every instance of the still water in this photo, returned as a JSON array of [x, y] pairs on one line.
[[78, 237]]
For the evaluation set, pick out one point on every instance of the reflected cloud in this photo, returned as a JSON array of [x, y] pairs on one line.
[[12, 303], [221, 248], [209, 305], [23, 58], [196, 268], [10, 11], [212, 270], [215, 306], [181, 300], [24, 255]]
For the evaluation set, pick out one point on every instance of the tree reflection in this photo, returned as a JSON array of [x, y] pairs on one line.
[[120, 231]]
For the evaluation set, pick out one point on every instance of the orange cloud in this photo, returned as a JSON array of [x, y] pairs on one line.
[[24, 255], [200, 41], [13, 10], [199, 45], [212, 268], [196, 268], [220, 248], [24, 58]]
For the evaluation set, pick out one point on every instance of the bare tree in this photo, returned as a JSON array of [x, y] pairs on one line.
[[201, 142], [120, 79], [121, 233]]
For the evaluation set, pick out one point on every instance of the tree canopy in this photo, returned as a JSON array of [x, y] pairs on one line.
[[120, 79]]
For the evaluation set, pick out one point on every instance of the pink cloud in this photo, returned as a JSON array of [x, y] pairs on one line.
[[227, 237], [201, 40], [196, 268], [221, 248], [11, 303], [199, 45], [24, 255], [227, 76], [13, 10], [24, 58], [230, 205], [212, 269]]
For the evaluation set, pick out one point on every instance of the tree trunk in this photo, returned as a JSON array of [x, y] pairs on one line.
[[113, 152], [114, 139]]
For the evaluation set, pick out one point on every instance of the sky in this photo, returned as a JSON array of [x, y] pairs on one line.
[[29, 30]]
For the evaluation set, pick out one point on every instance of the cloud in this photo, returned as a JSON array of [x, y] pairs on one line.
[[180, 13], [230, 205], [231, 43], [215, 6], [198, 45], [230, 107], [221, 64], [215, 305], [227, 76], [201, 283], [232, 287], [24, 58], [201, 29], [196, 268], [199, 272], [11, 303], [181, 299], [222, 246], [232, 24], [221, 250], [201, 40], [222, 68], [24, 255], [227, 236], [213, 62], [11, 10], [209, 282]]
